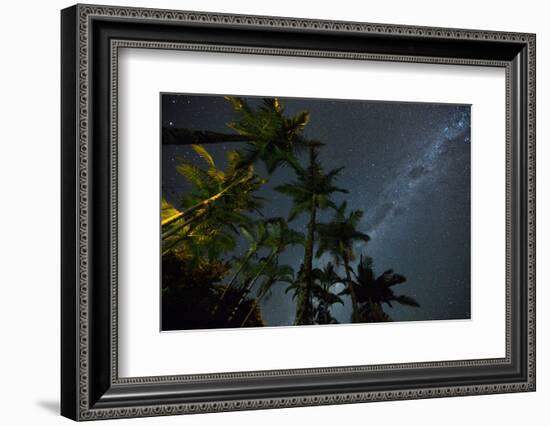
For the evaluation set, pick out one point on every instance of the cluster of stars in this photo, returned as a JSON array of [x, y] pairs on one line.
[[395, 158]]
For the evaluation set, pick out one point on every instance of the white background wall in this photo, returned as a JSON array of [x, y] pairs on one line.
[[29, 213]]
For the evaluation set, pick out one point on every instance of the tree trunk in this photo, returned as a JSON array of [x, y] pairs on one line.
[[254, 306], [249, 287], [202, 205], [206, 202], [355, 311], [172, 136], [246, 259], [303, 307], [182, 225], [190, 224]]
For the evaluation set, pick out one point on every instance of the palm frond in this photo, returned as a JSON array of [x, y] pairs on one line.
[[193, 174], [407, 300], [169, 213], [300, 120], [205, 155]]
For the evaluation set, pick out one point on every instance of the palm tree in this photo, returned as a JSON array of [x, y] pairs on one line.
[[298, 288], [325, 279], [372, 292], [269, 135], [272, 137], [274, 273], [169, 214], [215, 207], [338, 238], [279, 236], [311, 191], [256, 235], [183, 136]]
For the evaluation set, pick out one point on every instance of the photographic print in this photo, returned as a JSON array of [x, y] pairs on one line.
[[283, 211]]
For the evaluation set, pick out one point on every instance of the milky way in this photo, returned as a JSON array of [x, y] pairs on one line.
[[423, 170], [407, 166]]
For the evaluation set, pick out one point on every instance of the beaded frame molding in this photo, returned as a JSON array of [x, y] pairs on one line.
[[91, 38]]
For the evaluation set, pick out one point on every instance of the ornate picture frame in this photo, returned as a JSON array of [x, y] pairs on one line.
[[91, 37]]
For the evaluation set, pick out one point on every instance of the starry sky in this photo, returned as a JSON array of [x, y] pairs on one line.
[[406, 165]]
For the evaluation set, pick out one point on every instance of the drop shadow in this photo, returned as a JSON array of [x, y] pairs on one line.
[[50, 406]]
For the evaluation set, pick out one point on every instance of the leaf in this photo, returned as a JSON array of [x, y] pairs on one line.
[[407, 300], [167, 210], [301, 119], [296, 210], [192, 173], [237, 103], [205, 155], [391, 279], [246, 233]]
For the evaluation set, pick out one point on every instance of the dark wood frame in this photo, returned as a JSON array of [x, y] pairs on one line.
[[90, 386]]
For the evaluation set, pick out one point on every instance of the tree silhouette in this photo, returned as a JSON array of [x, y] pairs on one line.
[[372, 292], [311, 191], [338, 237], [324, 280]]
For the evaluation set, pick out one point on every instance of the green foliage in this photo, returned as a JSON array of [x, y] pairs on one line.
[[313, 188], [339, 235], [216, 206], [297, 287], [324, 280], [321, 295], [276, 236], [273, 274], [311, 191], [169, 214], [272, 137], [280, 236]]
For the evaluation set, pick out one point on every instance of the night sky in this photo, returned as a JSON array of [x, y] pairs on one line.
[[407, 166]]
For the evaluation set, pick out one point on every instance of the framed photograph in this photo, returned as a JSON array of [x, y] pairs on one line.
[[263, 212]]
